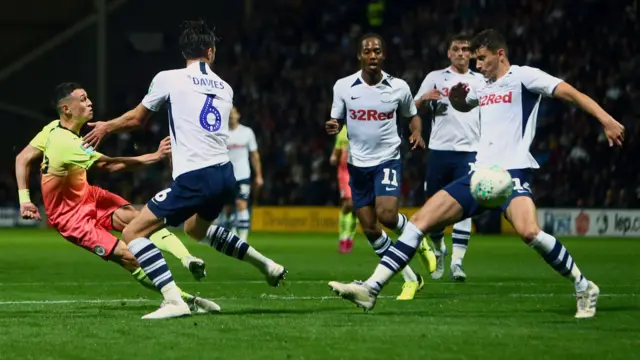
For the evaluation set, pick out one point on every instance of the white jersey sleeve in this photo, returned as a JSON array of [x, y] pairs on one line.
[[338, 107], [158, 92], [427, 85], [252, 144], [538, 81], [407, 107]]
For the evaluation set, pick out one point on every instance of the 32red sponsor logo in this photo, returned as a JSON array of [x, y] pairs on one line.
[[371, 115], [496, 99]]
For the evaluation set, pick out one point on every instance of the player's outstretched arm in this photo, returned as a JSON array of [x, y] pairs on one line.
[[113, 164], [416, 140], [460, 99], [131, 120], [23, 163], [612, 129], [254, 157]]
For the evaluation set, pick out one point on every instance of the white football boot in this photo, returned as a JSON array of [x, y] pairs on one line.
[[457, 273], [169, 309], [437, 275], [275, 274], [357, 292], [200, 305], [587, 301]]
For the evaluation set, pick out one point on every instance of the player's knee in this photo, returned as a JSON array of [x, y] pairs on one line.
[[528, 233], [127, 213], [388, 217], [347, 206], [128, 234], [241, 205], [191, 232], [372, 234]]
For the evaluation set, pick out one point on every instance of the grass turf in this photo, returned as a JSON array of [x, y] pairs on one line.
[[60, 302]]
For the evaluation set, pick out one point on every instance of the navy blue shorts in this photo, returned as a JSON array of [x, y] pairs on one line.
[[203, 192], [461, 191], [369, 182], [243, 189], [443, 167]]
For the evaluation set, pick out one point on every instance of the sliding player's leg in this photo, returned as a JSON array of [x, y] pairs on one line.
[[123, 257], [114, 213], [520, 210], [136, 236]]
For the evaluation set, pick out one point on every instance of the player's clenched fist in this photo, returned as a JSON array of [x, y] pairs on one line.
[[458, 92], [332, 127], [29, 211]]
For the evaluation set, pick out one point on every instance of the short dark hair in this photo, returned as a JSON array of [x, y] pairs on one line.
[[461, 37], [196, 39], [63, 91], [371, 35], [490, 39]]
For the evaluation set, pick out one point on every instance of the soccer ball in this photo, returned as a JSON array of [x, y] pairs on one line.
[[491, 186]]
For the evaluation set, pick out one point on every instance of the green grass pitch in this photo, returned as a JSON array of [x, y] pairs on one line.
[[61, 302]]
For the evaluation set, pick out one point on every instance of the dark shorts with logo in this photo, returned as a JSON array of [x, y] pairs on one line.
[[369, 182]]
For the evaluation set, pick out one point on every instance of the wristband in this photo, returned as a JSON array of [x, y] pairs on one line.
[[23, 196]]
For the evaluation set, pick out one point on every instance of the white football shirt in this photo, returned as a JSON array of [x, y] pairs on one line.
[[241, 141], [451, 130], [199, 106], [508, 115], [371, 119]]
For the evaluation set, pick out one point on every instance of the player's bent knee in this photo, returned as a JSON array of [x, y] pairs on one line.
[[528, 233], [196, 227], [347, 206], [241, 205], [388, 217]]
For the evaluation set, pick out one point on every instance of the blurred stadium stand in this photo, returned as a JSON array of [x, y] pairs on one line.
[[282, 58]]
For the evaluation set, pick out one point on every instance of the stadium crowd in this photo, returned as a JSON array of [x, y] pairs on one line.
[[283, 63]]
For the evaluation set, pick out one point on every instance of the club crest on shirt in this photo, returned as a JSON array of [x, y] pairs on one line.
[[385, 97], [99, 250]]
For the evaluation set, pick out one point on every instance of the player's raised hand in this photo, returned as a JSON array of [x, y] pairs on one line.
[[164, 149], [614, 132], [433, 94], [332, 126], [29, 211], [416, 141], [458, 92], [98, 132]]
